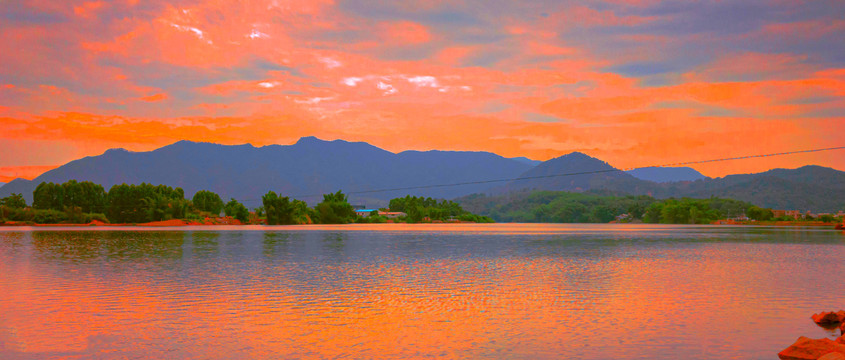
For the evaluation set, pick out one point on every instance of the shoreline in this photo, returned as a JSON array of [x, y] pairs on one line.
[[234, 222]]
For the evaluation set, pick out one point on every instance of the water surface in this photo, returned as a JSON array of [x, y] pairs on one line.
[[415, 291]]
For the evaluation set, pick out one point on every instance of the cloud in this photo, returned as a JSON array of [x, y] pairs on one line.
[[268, 84], [148, 72], [352, 81], [199, 33], [255, 34], [387, 88], [424, 81], [330, 63]]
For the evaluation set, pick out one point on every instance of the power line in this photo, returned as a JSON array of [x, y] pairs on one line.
[[582, 172], [477, 182]]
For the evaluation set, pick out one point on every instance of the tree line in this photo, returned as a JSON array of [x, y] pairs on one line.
[[82, 202], [594, 207]]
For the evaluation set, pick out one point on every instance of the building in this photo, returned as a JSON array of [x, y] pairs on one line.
[[387, 214], [392, 214], [365, 212], [795, 214]]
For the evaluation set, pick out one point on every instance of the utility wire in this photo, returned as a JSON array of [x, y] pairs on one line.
[[568, 174], [582, 172]]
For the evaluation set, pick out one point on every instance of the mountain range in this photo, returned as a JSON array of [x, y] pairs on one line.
[[667, 174], [312, 167]]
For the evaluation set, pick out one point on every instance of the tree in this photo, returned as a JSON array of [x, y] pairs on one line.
[[144, 203], [279, 209], [335, 209], [759, 214], [236, 210], [827, 218], [205, 200], [48, 195], [15, 201]]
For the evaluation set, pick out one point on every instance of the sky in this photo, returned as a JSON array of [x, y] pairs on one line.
[[632, 82]]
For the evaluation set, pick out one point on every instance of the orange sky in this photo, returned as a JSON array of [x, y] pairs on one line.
[[634, 83]]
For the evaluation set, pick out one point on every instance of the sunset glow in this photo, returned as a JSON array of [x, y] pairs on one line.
[[634, 83]]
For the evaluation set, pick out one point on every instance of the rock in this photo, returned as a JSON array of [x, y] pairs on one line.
[[841, 340], [810, 349], [827, 318], [842, 329], [833, 356]]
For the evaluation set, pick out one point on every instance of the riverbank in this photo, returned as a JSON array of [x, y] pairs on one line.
[[774, 223], [224, 221], [166, 223]]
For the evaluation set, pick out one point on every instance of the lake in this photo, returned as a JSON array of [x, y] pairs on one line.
[[508, 291]]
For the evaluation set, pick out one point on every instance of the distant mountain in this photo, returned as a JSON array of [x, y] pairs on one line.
[[587, 173], [2, 183], [312, 167], [19, 186], [526, 160], [666, 174], [812, 187], [305, 170]]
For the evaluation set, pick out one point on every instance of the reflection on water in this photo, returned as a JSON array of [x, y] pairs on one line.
[[454, 291]]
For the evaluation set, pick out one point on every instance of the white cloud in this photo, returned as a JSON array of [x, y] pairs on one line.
[[199, 33], [387, 88], [313, 100], [423, 81], [352, 81], [330, 63], [255, 34], [268, 84], [450, 88]]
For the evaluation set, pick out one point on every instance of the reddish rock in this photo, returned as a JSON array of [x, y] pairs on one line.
[[810, 349], [827, 318], [842, 329], [833, 356]]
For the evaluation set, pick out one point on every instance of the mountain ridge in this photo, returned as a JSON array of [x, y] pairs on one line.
[[311, 167]]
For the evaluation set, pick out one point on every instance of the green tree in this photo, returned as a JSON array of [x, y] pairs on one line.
[[236, 210], [14, 201], [759, 214], [48, 195], [205, 200], [87, 196], [827, 218], [144, 203], [653, 213], [335, 209], [279, 209]]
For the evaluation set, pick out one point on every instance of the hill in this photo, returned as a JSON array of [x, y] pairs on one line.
[[588, 173], [667, 174], [312, 167], [811, 187], [304, 170]]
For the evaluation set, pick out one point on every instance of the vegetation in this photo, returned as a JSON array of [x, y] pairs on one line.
[[14, 201], [694, 211], [592, 207], [87, 196], [145, 203], [208, 201], [419, 208], [335, 209], [280, 210], [83, 202], [557, 207], [236, 210]]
